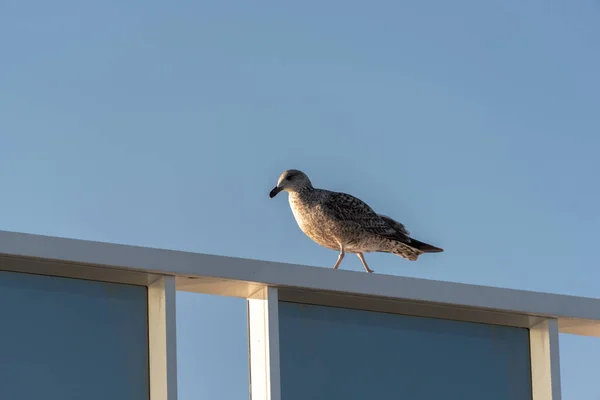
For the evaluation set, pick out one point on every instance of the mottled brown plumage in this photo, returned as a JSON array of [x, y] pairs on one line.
[[342, 222]]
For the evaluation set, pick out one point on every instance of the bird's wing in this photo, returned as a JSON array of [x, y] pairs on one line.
[[395, 224], [346, 207]]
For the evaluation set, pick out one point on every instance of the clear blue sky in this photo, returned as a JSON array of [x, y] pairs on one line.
[[475, 123]]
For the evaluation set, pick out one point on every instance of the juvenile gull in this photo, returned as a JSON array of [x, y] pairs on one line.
[[342, 222]]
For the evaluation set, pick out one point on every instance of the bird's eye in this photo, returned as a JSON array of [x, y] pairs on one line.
[[288, 178]]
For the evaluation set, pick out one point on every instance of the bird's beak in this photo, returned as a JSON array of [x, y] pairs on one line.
[[275, 191]]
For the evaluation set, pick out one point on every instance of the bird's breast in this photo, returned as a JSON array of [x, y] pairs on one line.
[[312, 221], [304, 213]]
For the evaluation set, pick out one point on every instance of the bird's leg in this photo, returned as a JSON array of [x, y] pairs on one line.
[[364, 262], [340, 257]]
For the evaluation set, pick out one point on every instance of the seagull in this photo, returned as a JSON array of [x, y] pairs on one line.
[[342, 222]]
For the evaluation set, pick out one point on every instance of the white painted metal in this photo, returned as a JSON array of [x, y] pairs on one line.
[[241, 277], [76, 270], [263, 345], [162, 339], [545, 360]]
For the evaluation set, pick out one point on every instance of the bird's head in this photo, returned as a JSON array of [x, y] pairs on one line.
[[291, 180]]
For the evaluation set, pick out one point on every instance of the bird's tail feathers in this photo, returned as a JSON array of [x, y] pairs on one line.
[[424, 247], [411, 251]]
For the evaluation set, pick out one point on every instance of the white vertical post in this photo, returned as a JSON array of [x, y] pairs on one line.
[[545, 362], [263, 345], [162, 339]]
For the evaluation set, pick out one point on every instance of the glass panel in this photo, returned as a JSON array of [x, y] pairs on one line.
[[72, 339], [336, 353]]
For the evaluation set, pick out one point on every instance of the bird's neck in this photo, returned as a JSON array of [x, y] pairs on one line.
[[302, 193]]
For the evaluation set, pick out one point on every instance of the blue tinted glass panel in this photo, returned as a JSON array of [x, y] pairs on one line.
[[71, 339], [335, 353]]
